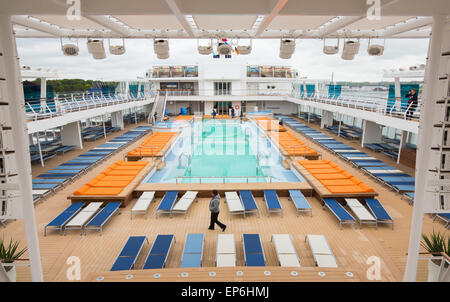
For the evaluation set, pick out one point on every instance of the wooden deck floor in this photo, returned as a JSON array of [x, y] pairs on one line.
[[351, 246]]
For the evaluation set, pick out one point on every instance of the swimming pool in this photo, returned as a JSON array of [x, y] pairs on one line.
[[222, 151]]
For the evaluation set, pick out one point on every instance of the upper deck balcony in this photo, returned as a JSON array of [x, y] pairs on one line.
[[258, 71], [158, 72]]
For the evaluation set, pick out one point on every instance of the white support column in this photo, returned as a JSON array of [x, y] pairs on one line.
[[426, 121], [15, 96], [117, 120], [43, 93], [327, 119], [340, 122], [71, 135], [398, 96], [372, 133], [403, 141]]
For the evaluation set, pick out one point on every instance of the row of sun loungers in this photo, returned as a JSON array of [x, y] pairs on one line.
[[389, 176], [445, 217], [81, 217], [48, 182], [241, 204], [225, 251], [373, 214]]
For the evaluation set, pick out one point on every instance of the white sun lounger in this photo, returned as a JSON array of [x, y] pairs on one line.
[[183, 204], [234, 203], [363, 215], [83, 217], [226, 250], [142, 204], [286, 253], [323, 256]]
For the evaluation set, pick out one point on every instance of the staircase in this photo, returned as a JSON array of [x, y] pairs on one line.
[[159, 106]]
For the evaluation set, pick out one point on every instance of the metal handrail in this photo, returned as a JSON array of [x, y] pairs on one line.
[[222, 177], [148, 147]]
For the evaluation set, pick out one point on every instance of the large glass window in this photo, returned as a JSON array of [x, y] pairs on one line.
[[222, 88]]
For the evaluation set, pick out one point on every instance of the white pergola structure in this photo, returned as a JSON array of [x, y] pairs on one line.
[[210, 19]]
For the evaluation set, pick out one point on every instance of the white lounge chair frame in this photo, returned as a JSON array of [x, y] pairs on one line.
[[142, 204], [226, 247], [363, 215], [234, 203], [285, 250], [80, 220], [321, 250], [183, 204]]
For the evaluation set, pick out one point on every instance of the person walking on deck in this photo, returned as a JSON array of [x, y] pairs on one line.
[[214, 209]]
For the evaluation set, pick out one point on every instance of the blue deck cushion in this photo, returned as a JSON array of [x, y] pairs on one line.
[[248, 200], [56, 175], [133, 246], [338, 209], [168, 200], [129, 253], [49, 180], [405, 188], [254, 255], [65, 215], [193, 250], [377, 209], [158, 253], [299, 199], [104, 214], [272, 200], [48, 186], [400, 179]]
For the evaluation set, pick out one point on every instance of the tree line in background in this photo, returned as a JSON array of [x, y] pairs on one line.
[[70, 85]]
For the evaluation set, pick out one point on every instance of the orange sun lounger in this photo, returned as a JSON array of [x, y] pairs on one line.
[[334, 178]]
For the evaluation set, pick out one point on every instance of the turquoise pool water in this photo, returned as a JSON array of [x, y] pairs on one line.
[[218, 151]]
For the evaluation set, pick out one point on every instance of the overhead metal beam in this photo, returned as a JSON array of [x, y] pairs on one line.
[[180, 17], [337, 25], [37, 25], [268, 19], [110, 24], [408, 26]]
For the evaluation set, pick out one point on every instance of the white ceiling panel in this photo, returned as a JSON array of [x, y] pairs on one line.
[[64, 22], [225, 22], [150, 22], [298, 22]]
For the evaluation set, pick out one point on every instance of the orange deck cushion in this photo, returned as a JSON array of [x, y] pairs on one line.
[[103, 191], [155, 143], [113, 179], [334, 178], [112, 183]]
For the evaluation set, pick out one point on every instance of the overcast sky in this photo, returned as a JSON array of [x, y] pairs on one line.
[[308, 58]]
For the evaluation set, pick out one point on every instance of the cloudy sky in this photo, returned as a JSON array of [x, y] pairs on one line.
[[308, 58]]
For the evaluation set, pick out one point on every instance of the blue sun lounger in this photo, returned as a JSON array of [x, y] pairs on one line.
[[444, 217], [405, 188], [158, 253], [397, 180], [48, 186], [67, 175], [253, 250], [339, 211], [59, 221], [369, 163], [249, 202], [377, 209], [272, 202], [49, 180], [129, 253], [102, 217], [193, 251], [300, 202], [167, 203]]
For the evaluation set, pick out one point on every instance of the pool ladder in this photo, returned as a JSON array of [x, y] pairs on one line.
[[188, 157]]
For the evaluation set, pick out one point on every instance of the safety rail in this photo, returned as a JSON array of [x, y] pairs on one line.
[[79, 102], [223, 178], [361, 102]]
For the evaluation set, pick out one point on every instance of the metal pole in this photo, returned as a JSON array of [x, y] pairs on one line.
[[104, 128], [426, 123], [18, 123], [39, 149]]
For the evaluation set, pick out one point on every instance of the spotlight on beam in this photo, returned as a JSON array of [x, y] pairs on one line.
[[375, 49], [351, 48], [287, 48], [117, 50], [95, 47], [161, 48], [69, 49]]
